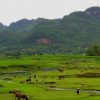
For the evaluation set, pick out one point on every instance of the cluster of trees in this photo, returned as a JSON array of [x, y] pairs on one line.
[[93, 51]]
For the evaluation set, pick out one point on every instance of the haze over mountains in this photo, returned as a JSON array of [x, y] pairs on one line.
[[71, 34]]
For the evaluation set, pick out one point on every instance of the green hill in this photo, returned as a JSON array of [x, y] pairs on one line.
[[71, 34]]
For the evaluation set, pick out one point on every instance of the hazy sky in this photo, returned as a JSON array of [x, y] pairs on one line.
[[13, 10]]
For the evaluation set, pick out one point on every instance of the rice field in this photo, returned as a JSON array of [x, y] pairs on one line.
[[80, 71]]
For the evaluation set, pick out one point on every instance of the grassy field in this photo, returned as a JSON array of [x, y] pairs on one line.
[[77, 69]]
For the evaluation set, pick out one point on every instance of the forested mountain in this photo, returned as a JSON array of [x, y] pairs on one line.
[[71, 34]]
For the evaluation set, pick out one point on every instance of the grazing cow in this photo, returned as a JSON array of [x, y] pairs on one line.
[[19, 95], [61, 77], [60, 69], [28, 80]]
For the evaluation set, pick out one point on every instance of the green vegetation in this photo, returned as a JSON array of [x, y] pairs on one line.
[[73, 33], [93, 51], [79, 72]]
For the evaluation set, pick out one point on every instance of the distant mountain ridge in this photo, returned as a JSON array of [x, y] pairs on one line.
[[71, 34]]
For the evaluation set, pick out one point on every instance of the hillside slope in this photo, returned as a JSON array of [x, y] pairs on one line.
[[71, 34]]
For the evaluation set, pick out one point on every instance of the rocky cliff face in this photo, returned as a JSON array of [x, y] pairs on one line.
[[93, 11]]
